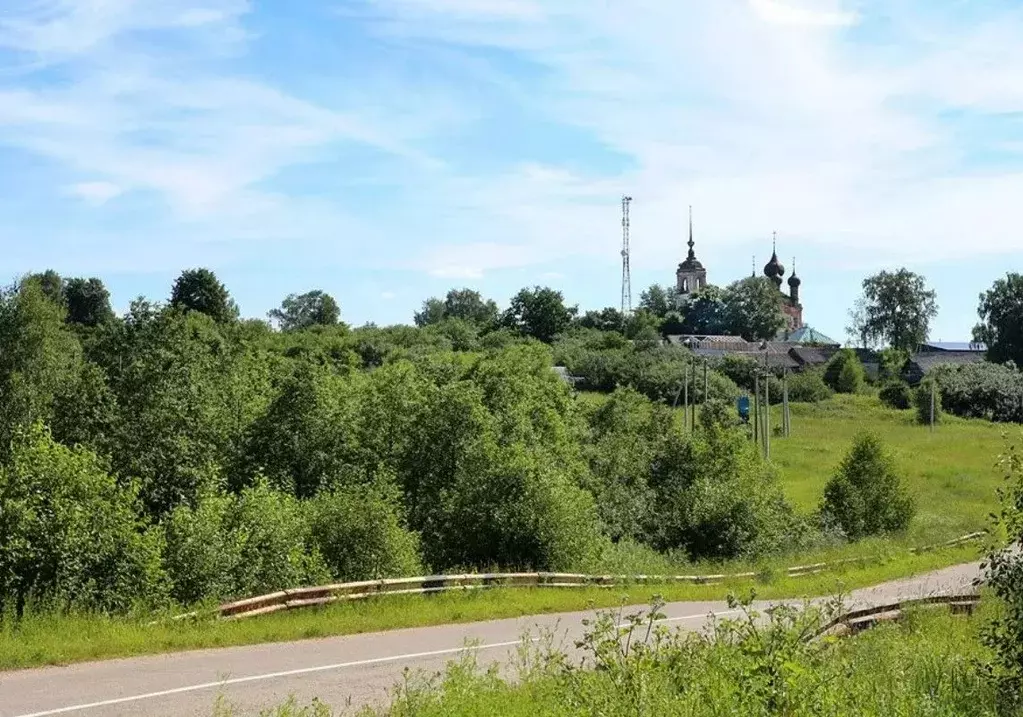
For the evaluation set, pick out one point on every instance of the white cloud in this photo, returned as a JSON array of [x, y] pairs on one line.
[[387, 295], [95, 193], [781, 125], [804, 13]]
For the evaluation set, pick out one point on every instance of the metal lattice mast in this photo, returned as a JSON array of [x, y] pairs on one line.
[[626, 271]]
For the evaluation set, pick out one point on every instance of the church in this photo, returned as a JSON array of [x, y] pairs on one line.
[[691, 276]]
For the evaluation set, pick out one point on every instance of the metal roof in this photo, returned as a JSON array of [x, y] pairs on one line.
[[952, 346]]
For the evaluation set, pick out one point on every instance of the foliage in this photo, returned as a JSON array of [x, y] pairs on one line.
[[540, 313], [658, 300], [715, 498], [892, 363], [928, 401], [359, 532], [607, 319], [87, 301], [702, 312], [200, 290], [840, 378], [981, 390], [752, 308], [896, 394], [1004, 576], [1001, 315], [69, 535], [463, 304], [808, 386], [866, 496], [897, 309], [850, 377], [755, 664], [239, 545], [313, 308]]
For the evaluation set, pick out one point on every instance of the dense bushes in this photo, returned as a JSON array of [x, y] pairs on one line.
[[866, 495], [844, 372], [69, 535], [981, 390], [808, 386], [896, 394]]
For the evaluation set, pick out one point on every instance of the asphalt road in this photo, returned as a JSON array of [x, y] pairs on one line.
[[356, 670]]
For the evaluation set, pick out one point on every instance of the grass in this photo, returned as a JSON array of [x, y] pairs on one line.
[[950, 472], [52, 640], [925, 665]]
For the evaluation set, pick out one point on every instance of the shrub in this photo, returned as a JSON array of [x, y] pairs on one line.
[[240, 545], [923, 402], [1004, 576], [866, 496], [808, 387], [743, 370], [360, 534], [715, 498], [850, 378], [981, 390], [844, 372], [69, 535], [896, 394]]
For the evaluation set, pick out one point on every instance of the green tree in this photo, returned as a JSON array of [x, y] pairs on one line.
[[701, 312], [867, 496], [300, 311], [840, 378], [752, 308], [200, 290], [658, 300], [607, 319], [897, 309], [70, 536], [40, 360], [1001, 314], [51, 284], [539, 312], [88, 302], [465, 304]]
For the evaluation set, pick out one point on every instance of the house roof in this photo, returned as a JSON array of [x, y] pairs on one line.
[[809, 335], [925, 361], [776, 359], [952, 346]]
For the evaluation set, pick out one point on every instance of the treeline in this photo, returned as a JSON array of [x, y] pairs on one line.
[[180, 454]]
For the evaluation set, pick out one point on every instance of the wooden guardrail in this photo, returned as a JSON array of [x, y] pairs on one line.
[[855, 621], [295, 598]]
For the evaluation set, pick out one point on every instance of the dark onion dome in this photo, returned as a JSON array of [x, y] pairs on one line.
[[794, 280], [691, 264], [774, 268]]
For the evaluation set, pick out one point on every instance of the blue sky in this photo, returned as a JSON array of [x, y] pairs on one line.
[[387, 150]]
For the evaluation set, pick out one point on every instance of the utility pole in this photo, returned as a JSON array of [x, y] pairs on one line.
[[626, 270], [756, 408]]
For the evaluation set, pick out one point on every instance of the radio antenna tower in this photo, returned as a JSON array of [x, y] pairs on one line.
[[626, 272]]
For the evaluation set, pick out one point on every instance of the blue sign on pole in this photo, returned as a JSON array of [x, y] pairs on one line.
[[744, 408]]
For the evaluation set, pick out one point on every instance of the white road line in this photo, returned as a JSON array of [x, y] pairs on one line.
[[308, 670]]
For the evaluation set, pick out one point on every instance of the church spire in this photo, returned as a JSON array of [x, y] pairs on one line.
[[692, 253]]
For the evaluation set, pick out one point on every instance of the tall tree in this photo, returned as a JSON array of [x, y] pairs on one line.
[[702, 312], [1001, 313], [51, 284], [469, 305], [200, 290], [898, 309], [658, 300], [465, 304], [607, 319], [88, 302], [752, 308], [539, 312], [313, 308]]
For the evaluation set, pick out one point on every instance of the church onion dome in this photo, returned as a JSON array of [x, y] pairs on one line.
[[794, 280], [774, 268]]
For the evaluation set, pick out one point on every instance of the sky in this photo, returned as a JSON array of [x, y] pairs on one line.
[[385, 151]]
